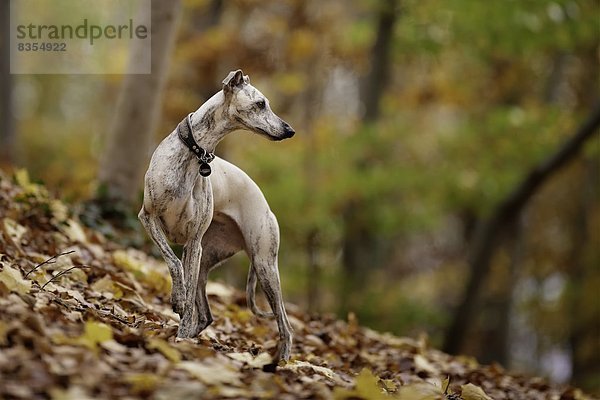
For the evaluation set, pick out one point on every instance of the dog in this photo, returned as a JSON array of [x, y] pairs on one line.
[[213, 209]]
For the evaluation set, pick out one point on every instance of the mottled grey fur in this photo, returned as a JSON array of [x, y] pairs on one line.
[[217, 216]]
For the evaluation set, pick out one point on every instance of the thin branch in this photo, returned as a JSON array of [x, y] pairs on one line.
[[505, 213], [66, 271], [107, 313], [66, 305], [49, 261]]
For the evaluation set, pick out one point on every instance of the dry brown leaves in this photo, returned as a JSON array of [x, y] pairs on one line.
[[105, 330]]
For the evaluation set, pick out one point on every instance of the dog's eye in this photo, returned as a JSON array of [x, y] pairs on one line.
[[260, 104]]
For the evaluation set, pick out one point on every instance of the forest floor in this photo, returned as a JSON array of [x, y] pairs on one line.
[[84, 318]]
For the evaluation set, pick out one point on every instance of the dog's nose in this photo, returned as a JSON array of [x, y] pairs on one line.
[[288, 130]]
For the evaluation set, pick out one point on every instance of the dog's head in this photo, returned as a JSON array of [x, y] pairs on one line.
[[250, 108]]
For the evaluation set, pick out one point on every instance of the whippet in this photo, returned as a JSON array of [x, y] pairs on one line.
[[215, 210]]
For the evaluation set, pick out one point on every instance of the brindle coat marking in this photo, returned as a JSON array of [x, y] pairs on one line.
[[217, 216]]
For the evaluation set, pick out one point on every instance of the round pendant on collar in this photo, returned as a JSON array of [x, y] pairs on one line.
[[205, 169]]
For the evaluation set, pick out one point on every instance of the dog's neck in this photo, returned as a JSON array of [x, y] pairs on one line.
[[209, 123]]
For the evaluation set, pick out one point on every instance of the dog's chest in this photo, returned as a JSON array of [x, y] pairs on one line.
[[184, 216]]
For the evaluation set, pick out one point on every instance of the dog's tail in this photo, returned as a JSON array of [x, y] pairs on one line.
[[251, 295]]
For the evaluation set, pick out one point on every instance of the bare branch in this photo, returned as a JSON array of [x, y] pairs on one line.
[[49, 261], [505, 213], [66, 271]]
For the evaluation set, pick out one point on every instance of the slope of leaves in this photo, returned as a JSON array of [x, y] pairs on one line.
[[83, 318]]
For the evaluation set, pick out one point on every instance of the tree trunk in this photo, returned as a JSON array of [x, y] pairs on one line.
[[503, 216], [494, 345], [583, 324], [138, 111], [313, 286], [204, 19], [311, 105], [7, 131], [358, 255], [380, 65], [359, 243]]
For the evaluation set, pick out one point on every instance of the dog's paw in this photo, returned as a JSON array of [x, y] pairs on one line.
[[178, 307], [178, 303], [191, 326], [283, 353], [186, 330], [204, 322]]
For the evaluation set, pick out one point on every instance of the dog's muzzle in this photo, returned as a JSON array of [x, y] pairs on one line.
[[288, 131]]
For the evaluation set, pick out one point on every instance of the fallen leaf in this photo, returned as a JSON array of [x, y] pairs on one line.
[[211, 372], [445, 385], [298, 366], [74, 231], [165, 348], [420, 391], [182, 389], [473, 392], [22, 179], [367, 385], [422, 364], [59, 211], [97, 332], [14, 230], [72, 393], [94, 334], [389, 385], [255, 362], [148, 271], [3, 331], [143, 382], [13, 280], [106, 285]]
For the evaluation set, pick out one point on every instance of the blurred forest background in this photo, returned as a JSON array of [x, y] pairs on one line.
[[443, 178]]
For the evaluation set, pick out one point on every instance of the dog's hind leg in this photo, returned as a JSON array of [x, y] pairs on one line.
[[152, 226], [251, 295], [221, 241], [263, 254]]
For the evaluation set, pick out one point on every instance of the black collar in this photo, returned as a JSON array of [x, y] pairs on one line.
[[184, 131]]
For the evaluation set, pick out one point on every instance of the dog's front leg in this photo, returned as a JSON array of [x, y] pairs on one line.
[[202, 316], [152, 226], [189, 327]]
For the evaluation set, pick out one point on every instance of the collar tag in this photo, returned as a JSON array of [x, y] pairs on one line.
[[204, 169]]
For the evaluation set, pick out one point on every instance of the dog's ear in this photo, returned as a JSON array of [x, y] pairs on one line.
[[235, 79]]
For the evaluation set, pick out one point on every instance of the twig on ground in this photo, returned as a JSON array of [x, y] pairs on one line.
[[66, 271], [49, 261], [107, 313], [71, 307]]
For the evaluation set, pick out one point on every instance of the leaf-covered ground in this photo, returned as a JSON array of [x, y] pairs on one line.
[[84, 318]]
